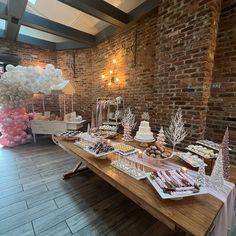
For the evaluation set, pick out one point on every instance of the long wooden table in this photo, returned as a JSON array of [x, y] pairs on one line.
[[194, 215]]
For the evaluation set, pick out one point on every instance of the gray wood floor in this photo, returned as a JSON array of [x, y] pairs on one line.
[[34, 200]]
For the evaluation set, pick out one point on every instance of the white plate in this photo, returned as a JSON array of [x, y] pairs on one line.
[[144, 141], [127, 153], [100, 155], [168, 196], [126, 172]]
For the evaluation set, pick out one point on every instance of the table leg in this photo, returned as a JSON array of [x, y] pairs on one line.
[[34, 137], [78, 169]]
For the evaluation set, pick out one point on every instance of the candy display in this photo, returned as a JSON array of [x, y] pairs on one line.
[[69, 135], [101, 149], [190, 158], [174, 183], [124, 149], [202, 151], [108, 127], [130, 168], [157, 151]]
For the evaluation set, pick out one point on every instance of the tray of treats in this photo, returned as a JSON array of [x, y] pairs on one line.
[[202, 151], [108, 127], [190, 158], [100, 150], [172, 184], [125, 149], [158, 151], [210, 144], [105, 134], [69, 135]]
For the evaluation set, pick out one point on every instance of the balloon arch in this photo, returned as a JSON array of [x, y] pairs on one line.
[[17, 86]]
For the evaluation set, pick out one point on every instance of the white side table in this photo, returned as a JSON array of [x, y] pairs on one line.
[[53, 127]]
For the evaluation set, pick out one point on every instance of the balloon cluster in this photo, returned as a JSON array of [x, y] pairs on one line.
[[13, 124], [17, 85]]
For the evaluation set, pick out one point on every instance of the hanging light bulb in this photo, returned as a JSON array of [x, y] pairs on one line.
[[103, 76], [117, 80], [111, 71], [114, 60], [109, 84]]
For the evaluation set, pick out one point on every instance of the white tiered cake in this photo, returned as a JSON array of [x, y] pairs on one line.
[[144, 132]]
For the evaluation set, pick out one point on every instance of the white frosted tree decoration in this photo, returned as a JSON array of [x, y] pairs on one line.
[[128, 122], [161, 138], [225, 154], [145, 116], [201, 176], [176, 131], [217, 176]]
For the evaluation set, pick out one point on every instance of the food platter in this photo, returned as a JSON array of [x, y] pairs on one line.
[[164, 195]]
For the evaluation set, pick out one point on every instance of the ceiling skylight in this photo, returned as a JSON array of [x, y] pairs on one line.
[[2, 24], [32, 1], [24, 30]]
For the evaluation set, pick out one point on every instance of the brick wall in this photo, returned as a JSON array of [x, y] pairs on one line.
[[222, 102], [184, 61], [163, 62]]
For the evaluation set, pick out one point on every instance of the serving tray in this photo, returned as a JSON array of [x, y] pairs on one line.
[[163, 195]]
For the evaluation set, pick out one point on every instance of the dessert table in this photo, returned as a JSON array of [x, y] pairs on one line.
[[197, 215]]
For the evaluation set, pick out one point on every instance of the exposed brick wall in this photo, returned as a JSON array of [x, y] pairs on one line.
[[184, 62], [81, 77], [222, 102], [165, 61], [172, 67]]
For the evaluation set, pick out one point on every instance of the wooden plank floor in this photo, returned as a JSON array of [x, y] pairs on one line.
[[34, 200]]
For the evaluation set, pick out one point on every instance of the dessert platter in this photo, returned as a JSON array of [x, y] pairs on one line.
[[130, 168], [174, 183], [100, 149], [144, 134], [69, 135], [190, 158], [202, 151], [210, 144], [125, 149], [108, 128]]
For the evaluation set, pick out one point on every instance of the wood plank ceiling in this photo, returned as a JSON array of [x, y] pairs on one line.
[[16, 14]]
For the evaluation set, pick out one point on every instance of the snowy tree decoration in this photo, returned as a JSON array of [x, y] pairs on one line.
[[201, 177], [161, 137], [176, 131], [145, 116], [128, 122], [217, 176], [225, 154]]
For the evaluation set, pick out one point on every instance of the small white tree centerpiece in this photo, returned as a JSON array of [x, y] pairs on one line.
[[128, 122], [176, 132]]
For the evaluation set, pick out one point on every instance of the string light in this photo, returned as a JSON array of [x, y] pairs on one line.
[[111, 71], [117, 79], [114, 60], [109, 84], [103, 76]]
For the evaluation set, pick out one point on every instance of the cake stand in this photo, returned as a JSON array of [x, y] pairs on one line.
[[144, 143]]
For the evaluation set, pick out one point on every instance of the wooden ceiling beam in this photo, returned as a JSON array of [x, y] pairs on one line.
[[101, 10], [43, 24], [16, 11]]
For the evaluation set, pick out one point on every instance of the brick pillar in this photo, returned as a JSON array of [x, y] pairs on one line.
[[184, 61]]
